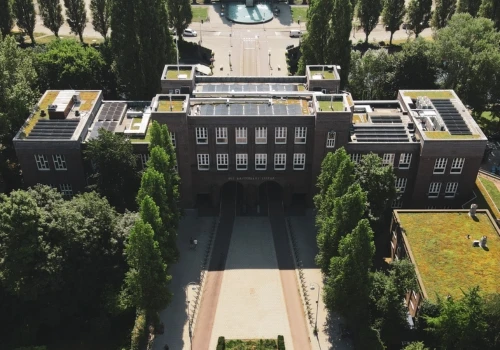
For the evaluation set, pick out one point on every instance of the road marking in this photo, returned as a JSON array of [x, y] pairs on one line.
[[217, 33], [277, 33]]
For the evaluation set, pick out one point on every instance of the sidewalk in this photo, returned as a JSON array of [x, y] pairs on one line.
[[186, 271]]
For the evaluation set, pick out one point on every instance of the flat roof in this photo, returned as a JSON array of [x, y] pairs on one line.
[[445, 259], [248, 87], [39, 126], [250, 107]]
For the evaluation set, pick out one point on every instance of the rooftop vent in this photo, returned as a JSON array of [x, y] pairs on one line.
[[52, 107], [472, 211]]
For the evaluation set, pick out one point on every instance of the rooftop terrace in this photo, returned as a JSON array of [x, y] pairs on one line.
[[323, 72], [444, 257], [174, 72]]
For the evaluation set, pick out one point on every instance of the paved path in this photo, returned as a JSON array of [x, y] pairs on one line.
[[290, 285], [251, 302], [187, 270], [211, 290]]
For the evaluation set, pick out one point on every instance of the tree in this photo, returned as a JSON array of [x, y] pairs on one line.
[[443, 12], [339, 42], [142, 45], [67, 63], [314, 45], [24, 11], [378, 181], [372, 75], [180, 15], [492, 315], [146, 282], [51, 13], [491, 9], [461, 323], [469, 6], [347, 288], [348, 210], [393, 14], [76, 16], [416, 346], [17, 83], [115, 175], [415, 66], [418, 15], [368, 12], [6, 17], [101, 16], [469, 60]]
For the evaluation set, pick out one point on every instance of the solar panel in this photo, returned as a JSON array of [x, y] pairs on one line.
[[221, 109], [53, 129], [294, 110], [236, 109], [451, 117], [251, 109], [279, 109], [265, 109], [112, 111]]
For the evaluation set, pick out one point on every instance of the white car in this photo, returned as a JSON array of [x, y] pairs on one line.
[[189, 32]]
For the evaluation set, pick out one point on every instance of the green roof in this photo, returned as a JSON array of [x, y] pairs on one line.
[[429, 93], [326, 106], [445, 135], [446, 261], [172, 73]]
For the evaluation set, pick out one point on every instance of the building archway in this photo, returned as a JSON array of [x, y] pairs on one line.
[[269, 191], [232, 197]]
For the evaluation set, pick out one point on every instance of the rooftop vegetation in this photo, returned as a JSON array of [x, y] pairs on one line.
[[485, 196], [359, 118], [173, 73], [446, 261], [327, 74], [88, 98], [447, 136], [429, 93], [326, 106], [164, 106], [47, 100], [144, 139]]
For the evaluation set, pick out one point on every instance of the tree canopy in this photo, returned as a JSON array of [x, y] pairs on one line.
[[101, 16], [368, 12], [24, 11], [6, 17], [491, 9], [76, 16], [443, 12], [393, 14], [469, 6], [180, 14], [419, 14], [51, 13]]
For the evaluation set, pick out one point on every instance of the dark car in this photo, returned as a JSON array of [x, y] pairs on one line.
[[288, 47]]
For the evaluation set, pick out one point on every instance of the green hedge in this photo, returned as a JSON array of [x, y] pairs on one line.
[[221, 343], [281, 342], [140, 331]]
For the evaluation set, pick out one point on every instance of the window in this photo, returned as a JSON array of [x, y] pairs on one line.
[[173, 139], [404, 160], [451, 189], [261, 135], [401, 184], [440, 165], [388, 159], [457, 165], [203, 162], [299, 161], [300, 134], [66, 189], [42, 162], [279, 161], [330, 139], [222, 161], [241, 136], [241, 161], [59, 162], [260, 161], [280, 135], [434, 189], [144, 159], [221, 136], [397, 203], [355, 157], [201, 136]]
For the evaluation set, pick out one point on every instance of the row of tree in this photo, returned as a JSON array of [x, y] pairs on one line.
[[464, 56]]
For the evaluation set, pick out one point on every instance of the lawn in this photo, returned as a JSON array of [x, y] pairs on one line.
[[45, 39], [446, 261], [429, 93], [252, 344], [144, 139], [299, 12], [492, 190], [199, 13], [172, 73], [338, 106], [88, 97], [326, 73]]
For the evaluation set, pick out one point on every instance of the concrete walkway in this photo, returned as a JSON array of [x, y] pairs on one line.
[[251, 303], [175, 316]]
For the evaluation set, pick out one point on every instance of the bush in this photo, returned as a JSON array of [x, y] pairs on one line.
[[281, 342], [32, 348], [221, 343], [139, 336]]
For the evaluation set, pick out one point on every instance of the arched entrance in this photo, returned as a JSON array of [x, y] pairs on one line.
[[232, 197], [269, 192]]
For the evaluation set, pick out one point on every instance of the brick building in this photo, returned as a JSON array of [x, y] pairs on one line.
[[252, 130]]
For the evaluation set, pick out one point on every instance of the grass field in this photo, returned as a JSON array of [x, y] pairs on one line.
[[444, 256], [299, 13], [338, 106], [492, 190], [199, 13]]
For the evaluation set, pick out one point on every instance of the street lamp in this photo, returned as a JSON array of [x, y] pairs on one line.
[[269, 53], [201, 32], [317, 307], [230, 65]]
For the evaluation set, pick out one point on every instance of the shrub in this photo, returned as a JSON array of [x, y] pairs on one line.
[[221, 343], [281, 342], [139, 336]]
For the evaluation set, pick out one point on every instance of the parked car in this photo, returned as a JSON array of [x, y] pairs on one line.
[[288, 47], [295, 33], [189, 32]]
